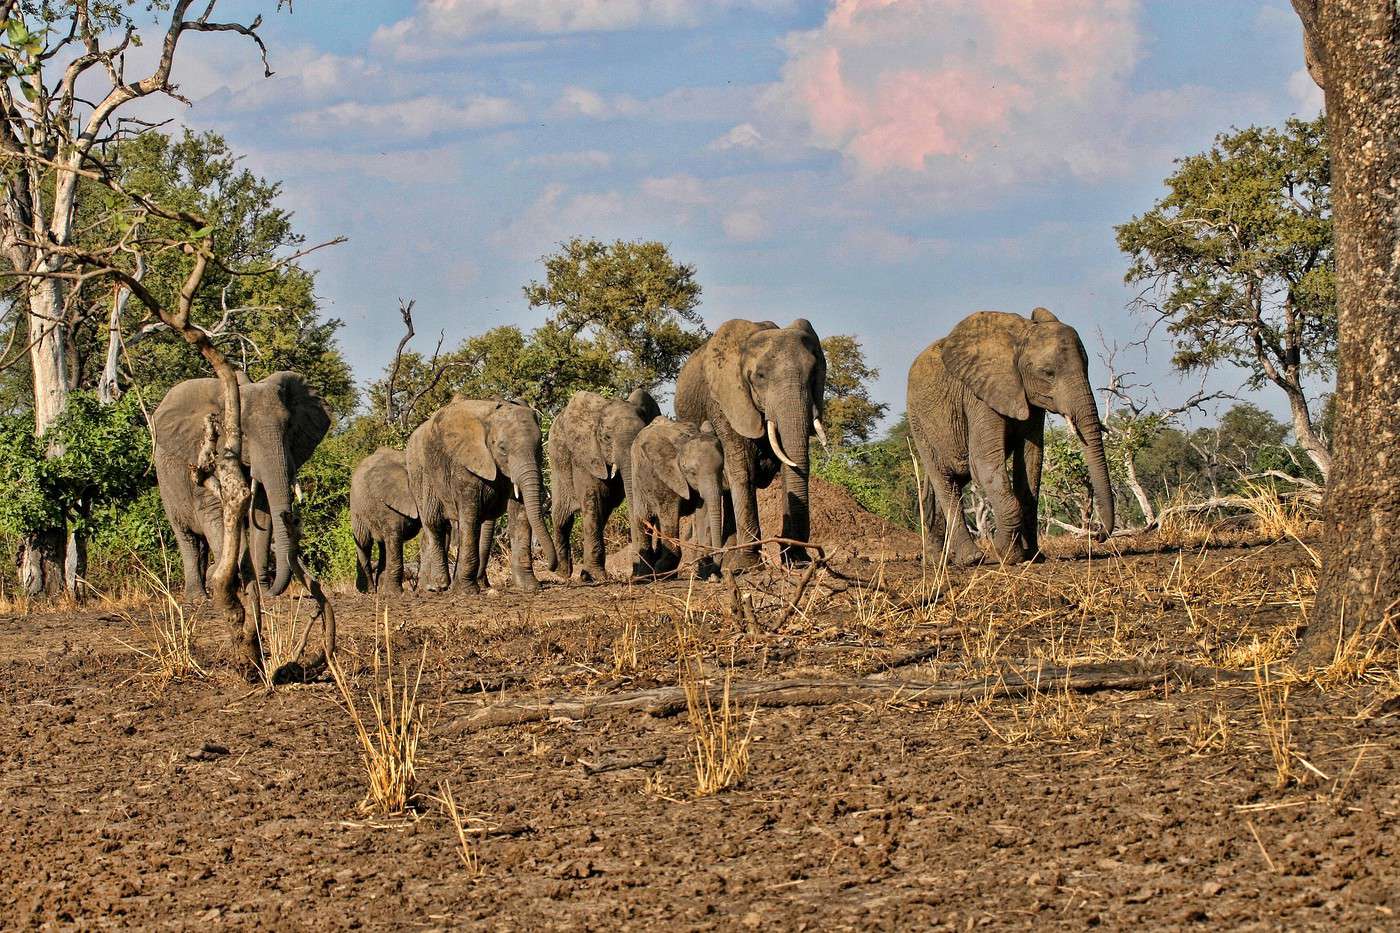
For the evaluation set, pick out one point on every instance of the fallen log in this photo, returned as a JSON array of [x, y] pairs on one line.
[[1037, 677]]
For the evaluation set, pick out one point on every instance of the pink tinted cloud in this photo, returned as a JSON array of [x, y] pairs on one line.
[[899, 84]]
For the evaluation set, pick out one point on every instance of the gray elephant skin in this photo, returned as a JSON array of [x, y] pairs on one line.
[[979, 396], [470, 463], [590, 471], [761, 386], [283, 421], [677, 470], [383, 514]]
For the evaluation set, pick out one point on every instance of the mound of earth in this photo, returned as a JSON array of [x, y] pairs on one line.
[[840, 523]]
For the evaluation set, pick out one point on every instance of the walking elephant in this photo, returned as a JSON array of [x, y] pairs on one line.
[[469, 464], [590, 470], [383, 513], [980, 395], [283, 421], [677, 470], [761, 386]]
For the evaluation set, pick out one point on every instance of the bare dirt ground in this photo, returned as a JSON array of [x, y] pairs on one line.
[[202, 801]]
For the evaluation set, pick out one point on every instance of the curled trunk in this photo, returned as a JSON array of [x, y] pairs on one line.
[[1086, 420]]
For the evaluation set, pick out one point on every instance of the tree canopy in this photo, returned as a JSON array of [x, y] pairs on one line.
[[851, 414], [1237, 258]]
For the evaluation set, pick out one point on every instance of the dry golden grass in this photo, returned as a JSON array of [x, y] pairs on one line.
[[720, 736], [1277, 725], [389, 735], [169, 634], [465, 850]]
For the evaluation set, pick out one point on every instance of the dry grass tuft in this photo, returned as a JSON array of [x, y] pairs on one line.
[[389, 743], [1278, 726], [170, 635], [465, 850], [719, 736]]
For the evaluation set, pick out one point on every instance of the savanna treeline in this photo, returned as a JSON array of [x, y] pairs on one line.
[[1235, 261]]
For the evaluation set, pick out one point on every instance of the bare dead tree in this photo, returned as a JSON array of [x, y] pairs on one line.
[[400, 416], [50, 130]]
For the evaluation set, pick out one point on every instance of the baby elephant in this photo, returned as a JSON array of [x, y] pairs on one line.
[[677, 470], [382, 511]]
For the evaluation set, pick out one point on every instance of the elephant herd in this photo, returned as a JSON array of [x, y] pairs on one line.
[[748, 401]]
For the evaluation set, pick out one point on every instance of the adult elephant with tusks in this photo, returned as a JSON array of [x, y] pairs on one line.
[[470, 463], [761, 387], [283, 421], [979, 396]]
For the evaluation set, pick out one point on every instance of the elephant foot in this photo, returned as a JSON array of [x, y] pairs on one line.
[[708, 569], [795, 556], [742, 560], [593, 575], [527, 584], [465, 587]]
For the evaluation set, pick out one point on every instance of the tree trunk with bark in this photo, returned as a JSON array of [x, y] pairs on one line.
[[1353, 50]]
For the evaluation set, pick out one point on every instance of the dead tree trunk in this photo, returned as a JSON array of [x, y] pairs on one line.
[[1353, 51]]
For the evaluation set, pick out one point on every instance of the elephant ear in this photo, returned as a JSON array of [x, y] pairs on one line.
[[587, 448], [1043, 316], [646, 406], [309, 415], [983, 352], [814, 344], [178, 422], [464, 438], [659, 449], [729, 385]]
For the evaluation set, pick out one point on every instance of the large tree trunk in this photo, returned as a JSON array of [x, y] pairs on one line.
[[1303, 430], [1353, 48], [42, 555]]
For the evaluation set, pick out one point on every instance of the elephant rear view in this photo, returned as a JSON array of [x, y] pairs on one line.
[[677, 470], [761, 386], [383, 513], [467, 465], [590, 468], [980, 395], [283, 421]]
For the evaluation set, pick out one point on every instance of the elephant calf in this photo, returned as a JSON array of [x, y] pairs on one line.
[[980, 395], [469, 464], [383, 513], [677, 470], [590, 468]]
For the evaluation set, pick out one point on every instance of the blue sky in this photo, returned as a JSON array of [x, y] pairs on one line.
[[881, 167]]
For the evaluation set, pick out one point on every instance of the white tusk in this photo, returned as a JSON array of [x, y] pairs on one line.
[[778, 448], [296, 490], [612, 470], [517, 490], [821, 433]]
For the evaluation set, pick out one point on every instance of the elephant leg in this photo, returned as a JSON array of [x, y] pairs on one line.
[[521, 562], [364, 574], [191, 562], [380, 562], [1026, 458], [668, 554], [468, 530], [594, 557], [485, 541], [392, 549], [563, 512], [961, 547], [738, 466], [987, 442]]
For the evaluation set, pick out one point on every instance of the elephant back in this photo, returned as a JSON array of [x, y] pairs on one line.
[[383, 477]]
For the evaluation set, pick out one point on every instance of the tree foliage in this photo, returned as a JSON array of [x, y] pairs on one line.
[[851, 414], [1237, 258]]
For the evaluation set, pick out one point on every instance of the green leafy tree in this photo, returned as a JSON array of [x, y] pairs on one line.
[[629, 302], [851, 414], [1238, 260]]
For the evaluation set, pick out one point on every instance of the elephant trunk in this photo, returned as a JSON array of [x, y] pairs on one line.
[[714, 512], [1083, 415], [794, 425], [277, 484], [526, 473]]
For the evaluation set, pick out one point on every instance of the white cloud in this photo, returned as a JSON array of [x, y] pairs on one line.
[[1305, 92], [437, 23], [415, 118], [743, 136], [582, 102], [882, 245], [677, 189], [746, 225]]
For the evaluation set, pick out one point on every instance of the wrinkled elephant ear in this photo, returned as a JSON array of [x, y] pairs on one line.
[[983, 352], [660, 452], [587, 448], [309, 415], [178, 423], [397, 495], [1043, 316], [646, 406], [464, 437], [725, 375], [814, 345]]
